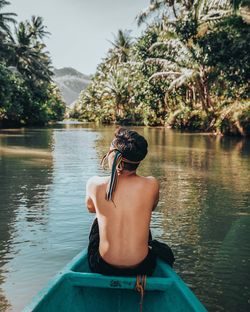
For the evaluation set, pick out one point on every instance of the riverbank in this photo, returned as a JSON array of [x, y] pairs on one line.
[[234, 129]]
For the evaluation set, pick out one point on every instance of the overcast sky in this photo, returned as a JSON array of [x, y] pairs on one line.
[[80, 28]]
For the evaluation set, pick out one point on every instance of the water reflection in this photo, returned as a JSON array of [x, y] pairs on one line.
[[25, 166], [232, 264], [43, 218], [203, 212]]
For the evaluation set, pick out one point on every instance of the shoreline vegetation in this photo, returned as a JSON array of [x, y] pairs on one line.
[[189, 70], [28, 96]]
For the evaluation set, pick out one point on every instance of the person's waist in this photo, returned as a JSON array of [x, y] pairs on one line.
[[124, 262]]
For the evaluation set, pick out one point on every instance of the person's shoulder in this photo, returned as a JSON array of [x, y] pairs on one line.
[[96, 180], [152, 181]]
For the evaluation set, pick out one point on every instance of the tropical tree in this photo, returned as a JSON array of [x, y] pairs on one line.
[[5, 20], [121, 45], [116, 90], [189, 69], [27, 94], [158, 8], [183, 62], [201, 10], [183, 65], [28, 55]]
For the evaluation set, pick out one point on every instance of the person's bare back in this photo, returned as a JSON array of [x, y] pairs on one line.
[[124, 223], [123, 204]]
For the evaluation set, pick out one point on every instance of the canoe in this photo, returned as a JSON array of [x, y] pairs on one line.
[[75, 289]]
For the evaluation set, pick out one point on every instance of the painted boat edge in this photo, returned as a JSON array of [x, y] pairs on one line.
[[67, 273]]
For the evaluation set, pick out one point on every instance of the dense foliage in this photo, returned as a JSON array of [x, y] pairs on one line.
[[188, 70], [27, 94]]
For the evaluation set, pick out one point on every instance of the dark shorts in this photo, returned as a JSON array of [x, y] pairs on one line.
[[98, 265]]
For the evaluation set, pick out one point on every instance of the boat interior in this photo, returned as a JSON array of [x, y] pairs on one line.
[[77, 289]]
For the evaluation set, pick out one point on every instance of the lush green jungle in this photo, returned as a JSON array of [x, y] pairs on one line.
[[28, 95], [188, 70]]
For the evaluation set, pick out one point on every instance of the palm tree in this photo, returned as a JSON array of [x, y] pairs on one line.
[[5, 20], [36, 28], [116, 89], [5, 32], [201, 10], [183, 66], [157, 6], [122, 43], [28, 55]]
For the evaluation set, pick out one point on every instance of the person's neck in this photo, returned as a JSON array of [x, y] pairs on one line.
[[127, 173]]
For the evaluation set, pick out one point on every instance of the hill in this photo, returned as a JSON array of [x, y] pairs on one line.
[[70, 82]]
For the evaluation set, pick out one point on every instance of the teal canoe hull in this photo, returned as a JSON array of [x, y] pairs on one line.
[[75, 289]]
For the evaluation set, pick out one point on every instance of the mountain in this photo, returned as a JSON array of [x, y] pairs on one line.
[[70, 82]]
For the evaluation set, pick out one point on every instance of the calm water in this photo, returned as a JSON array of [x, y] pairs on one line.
[[203, 212]]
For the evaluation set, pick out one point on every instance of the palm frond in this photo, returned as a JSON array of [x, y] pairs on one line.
[[214, 15], [36, 27], [245, 11], [198, 7], [165, 64], [122, 39], [143, 16], [174, 43], [182, 79], [3, 3], [149, 11], [165, 75]]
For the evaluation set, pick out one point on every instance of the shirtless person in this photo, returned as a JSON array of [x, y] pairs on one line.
[[123, 204]]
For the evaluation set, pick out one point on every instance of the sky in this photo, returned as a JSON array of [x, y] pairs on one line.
[[80, 29]]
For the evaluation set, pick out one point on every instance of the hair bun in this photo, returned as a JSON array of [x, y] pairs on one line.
[[132, 145]]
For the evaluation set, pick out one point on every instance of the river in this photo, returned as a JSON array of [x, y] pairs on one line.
[[203, 211]]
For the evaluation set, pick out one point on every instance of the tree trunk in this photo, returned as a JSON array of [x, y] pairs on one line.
[[190, 96], [204, 88], [207, 95], [174, 11], [201, 94], [166, 106]]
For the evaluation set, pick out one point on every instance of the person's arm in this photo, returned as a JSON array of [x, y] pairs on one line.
[[156, 200], [88, 200], [156, 191]]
